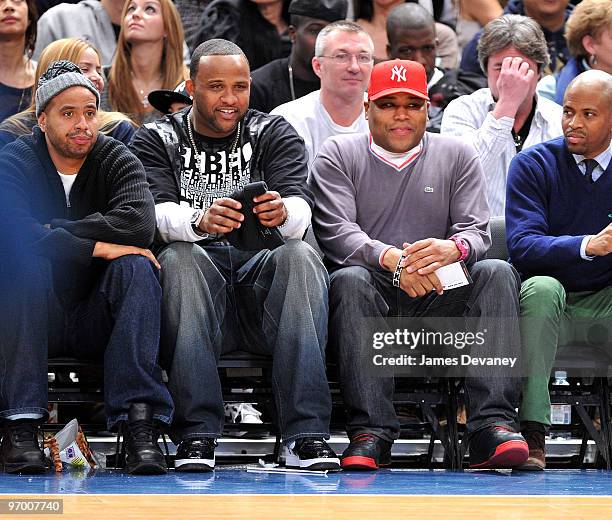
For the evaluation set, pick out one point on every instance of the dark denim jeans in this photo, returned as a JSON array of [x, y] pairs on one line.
[[357, 293], [118, 324], [216, 299]]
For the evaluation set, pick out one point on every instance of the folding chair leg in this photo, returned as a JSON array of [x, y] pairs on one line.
[[583, 448], [438, 431], [595, 435], [453, 427], [604, 414], [277, 448]]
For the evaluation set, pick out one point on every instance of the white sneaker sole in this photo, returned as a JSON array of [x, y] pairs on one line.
[[194, 464], [325, 463]]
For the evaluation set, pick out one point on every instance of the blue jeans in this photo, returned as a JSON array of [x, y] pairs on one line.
[[118, 324], [357, 293], [217, 299]]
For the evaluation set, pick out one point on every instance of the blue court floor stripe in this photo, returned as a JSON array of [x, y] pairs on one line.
[[231, 481]]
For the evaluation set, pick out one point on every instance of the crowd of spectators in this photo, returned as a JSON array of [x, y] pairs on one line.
[[163, 160]]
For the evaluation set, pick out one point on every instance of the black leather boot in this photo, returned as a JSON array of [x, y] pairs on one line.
[[141, 433], [20, 450]]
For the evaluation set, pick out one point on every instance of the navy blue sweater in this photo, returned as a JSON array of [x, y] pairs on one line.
[[550, 207]]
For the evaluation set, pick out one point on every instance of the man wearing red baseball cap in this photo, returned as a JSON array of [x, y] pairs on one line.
[[391, 208]]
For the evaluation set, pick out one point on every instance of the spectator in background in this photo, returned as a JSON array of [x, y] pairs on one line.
[[17, 40], [372, 16], [560, 239], [44, 5], [87, 58], [411, 31], [588, 32], [550, 15], [190, 12], [170, 101], [472, 16], [286, 79], [258, 27], [97, 21], [508, 116], [343, 60], [149, 57]]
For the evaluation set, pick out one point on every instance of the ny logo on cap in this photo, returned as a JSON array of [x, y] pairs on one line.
[[398, 73]]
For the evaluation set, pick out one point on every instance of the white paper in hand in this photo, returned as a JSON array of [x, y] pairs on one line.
[[453, 275]]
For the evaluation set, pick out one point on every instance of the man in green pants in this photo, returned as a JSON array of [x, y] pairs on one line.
[[559, 233]]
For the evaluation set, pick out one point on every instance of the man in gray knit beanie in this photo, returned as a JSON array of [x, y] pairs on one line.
[[80, 280], [59, 76], [66, 107]]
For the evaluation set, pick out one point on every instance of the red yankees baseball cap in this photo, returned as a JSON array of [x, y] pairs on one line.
[[398, 76]]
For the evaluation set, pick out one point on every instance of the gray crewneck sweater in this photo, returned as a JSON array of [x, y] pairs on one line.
[[363, 205]]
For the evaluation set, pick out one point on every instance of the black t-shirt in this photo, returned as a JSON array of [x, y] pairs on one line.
[[271, 86], [216, 169], [14, 100], [521, 136]]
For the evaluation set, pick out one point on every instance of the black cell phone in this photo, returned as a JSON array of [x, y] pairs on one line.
[[254, 189], [252, 235]]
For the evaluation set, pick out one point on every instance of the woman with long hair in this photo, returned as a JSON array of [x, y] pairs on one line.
[[87, 58], [149, 57], [17, 39]]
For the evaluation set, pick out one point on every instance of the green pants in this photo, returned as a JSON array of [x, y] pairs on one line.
[[549, 315]]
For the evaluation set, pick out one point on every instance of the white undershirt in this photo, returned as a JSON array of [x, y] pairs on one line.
[[67, 181], [397, 160]]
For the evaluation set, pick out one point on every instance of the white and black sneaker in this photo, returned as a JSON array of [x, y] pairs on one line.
[[196, 455], [311, 453]]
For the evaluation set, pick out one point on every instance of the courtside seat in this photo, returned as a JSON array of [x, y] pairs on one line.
[[76, 387]]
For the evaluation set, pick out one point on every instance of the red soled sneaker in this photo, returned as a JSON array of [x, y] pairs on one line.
[[497, 447], [366, 452]]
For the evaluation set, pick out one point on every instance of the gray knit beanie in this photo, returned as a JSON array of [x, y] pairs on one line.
[[59, 76]]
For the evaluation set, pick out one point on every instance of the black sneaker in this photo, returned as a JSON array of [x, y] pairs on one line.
[[311, 453], [497, 447], [140, 436], [197, 455], [20, 450], [367, 452]]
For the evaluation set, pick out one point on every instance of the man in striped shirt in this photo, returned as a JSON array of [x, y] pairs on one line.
[[508, 116]]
